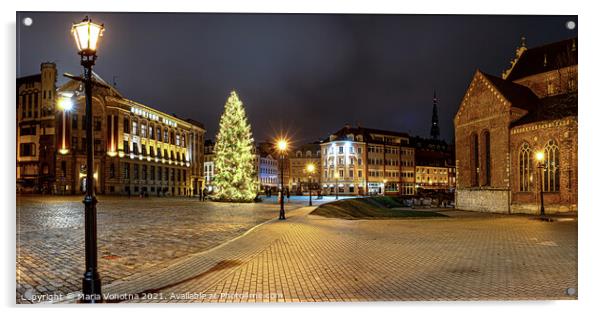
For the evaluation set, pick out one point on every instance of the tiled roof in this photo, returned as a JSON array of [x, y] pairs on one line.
[[551, 108], [518, 95], [545, 58]]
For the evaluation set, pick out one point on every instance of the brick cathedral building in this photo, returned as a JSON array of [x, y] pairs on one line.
[[503, 121]]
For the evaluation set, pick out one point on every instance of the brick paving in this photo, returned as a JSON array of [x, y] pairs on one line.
[[134, 235], [468, 256]]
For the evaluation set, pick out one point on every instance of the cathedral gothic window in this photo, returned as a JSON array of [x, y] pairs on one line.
[[474, 159], [551, 168], [525, 163]]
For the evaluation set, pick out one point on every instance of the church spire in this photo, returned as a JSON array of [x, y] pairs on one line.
[[435, 118]]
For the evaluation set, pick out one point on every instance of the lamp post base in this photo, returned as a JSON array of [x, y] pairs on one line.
[[91, 288]]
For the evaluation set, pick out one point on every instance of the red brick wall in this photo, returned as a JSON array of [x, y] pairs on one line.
[[564, 131], [482, 109], [559, 79]]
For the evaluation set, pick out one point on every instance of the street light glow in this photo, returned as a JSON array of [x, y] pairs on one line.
[[311, 168], [86, 35], [539, 156], [282, 145], [65, 104]]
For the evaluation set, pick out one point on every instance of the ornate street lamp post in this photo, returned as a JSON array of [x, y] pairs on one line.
[[310, 170], [86, 36], [282, 144], [540, 156]]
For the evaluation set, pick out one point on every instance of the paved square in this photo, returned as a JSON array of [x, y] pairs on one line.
[[133, 235], [307, 258]]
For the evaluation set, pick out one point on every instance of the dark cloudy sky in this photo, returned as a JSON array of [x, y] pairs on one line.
[[307, 75]]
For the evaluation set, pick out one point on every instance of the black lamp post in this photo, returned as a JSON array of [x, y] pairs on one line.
[[282, 144], [310, 170], [540, 156], [86, 36]]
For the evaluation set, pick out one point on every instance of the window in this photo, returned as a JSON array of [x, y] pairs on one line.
[[27, 150], [74, 121], [341, 150], [112, 171], [165, 136], [126, 125], [341, 173], [135, 128], [135, 148], [144, 149], [142, 130], [350, 173], [28, 130], [126, 146], [359, 173], [152, 172], [126, 170], [487, 158], [474, 159], [150, 132], [144, 172], [550, 88], [525, 166], [136, 172], [177, 139], [551, 169], [97, 123], [158, 133]]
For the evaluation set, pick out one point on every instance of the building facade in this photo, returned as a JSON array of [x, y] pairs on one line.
[[364, 161], [435, 167], [300, 179], [138, 149], [36, 119], [209, 165], [266, 167], [502, 122]]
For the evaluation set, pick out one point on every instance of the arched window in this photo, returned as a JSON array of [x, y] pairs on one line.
[[487, 158], [525, 167], [551, 171], [474, 159]]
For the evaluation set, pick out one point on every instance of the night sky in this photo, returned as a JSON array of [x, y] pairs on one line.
[[306, 75]]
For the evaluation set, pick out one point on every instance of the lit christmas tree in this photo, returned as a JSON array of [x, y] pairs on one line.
[[234, 178]]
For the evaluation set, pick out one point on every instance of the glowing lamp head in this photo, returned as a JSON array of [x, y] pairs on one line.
[[282, 144], [65, 104], [87, 35], [539, 156], [311, 168], [385, 181]]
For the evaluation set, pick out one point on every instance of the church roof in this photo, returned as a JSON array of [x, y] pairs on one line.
[[518, 95], [545, 58], [551, 108]]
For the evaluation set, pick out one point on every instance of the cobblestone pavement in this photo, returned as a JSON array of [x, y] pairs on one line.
[[133, 235], [469, 256]]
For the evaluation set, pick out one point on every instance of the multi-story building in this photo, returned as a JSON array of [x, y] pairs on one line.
[[266, 166], [502, 122], [138, 149], [299, 158], [361, 161], [36, 108], [435, 169]]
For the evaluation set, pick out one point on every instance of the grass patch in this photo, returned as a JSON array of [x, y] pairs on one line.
[[370, 208]]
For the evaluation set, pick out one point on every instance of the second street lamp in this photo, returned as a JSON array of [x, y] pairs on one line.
[[282, 144], [540, 157], [86, 36], [310, 170]]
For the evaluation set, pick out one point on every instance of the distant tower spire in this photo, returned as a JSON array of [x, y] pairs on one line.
[[435, 118]]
